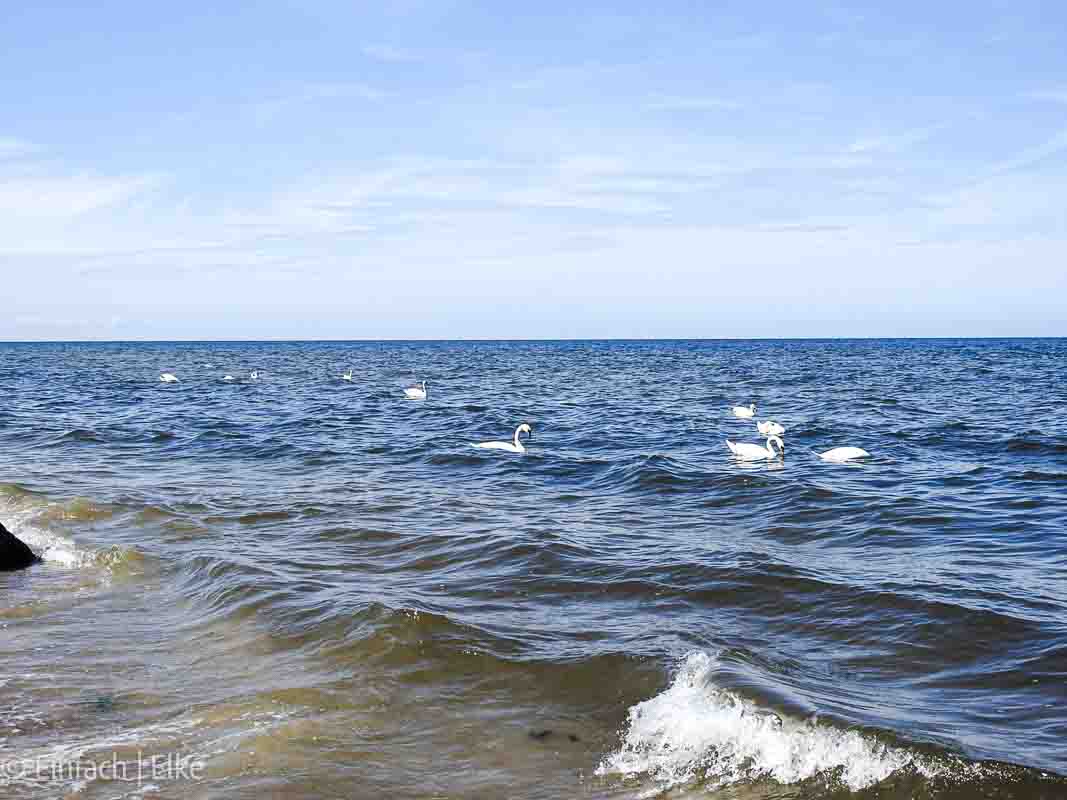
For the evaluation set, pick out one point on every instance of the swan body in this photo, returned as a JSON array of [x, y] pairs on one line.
[[745, 412], [770, 428], [515, 446], [843, 454], [227, 377], [746, 451], [168, 377], [416, 392], [347, 376]]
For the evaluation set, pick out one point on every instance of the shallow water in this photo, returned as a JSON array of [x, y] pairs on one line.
[[314, 588]]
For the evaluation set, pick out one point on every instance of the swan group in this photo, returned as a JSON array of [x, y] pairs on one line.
[[773, 431], [744, 451]]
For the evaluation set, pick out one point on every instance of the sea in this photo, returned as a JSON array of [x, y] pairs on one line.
[[300, 586]]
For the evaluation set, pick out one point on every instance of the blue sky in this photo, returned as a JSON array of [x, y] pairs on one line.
[[454, 170]]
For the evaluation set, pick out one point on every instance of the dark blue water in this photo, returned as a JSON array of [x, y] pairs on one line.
[[321, 589]]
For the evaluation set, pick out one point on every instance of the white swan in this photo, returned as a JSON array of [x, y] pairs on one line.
[[416, 392], [753, 452], [770, 428], [228, 377], [347, 376], [168, 377], [844, 454], [745, 411], [511, 447]]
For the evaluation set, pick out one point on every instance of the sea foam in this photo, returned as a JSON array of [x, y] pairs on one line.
[[695, 730]]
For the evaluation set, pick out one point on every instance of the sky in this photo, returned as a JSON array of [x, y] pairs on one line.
[[343, 170]]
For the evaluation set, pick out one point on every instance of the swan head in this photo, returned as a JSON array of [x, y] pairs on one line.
[[524, 428], [774, 440]]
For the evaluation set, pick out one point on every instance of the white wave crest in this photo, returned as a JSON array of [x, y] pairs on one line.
[[23, 521], [694, 730], [50, 546]]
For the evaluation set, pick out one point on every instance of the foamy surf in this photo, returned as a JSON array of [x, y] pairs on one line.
[[695, 730], [50, 546], [27, 516]]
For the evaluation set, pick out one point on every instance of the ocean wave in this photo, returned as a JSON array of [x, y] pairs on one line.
[[697, 731], [27, 515]]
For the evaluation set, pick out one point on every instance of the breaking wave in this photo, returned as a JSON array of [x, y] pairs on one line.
[[696, 731], [28, 515]]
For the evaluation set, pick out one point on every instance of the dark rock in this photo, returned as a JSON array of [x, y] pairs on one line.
[[14, 554], [544, 733]]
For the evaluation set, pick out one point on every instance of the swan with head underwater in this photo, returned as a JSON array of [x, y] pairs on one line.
[[842, 454], [746, 451], [745, 412], [417, 392], [515, 446], [168, 377]]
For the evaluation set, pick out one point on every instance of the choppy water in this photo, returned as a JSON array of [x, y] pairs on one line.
[[318, 589]]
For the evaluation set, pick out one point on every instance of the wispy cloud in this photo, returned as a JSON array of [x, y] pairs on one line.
[[1049, 95], [11, 147], [64, 197], [1032, 155], [565, 76], [390, 54], [691, 103], [266, 110], [894, 142]]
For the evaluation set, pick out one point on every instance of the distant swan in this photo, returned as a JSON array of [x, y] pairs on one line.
[[347, 376], [416, 392], [753, 452], [511, 447], [769, 428], [168, 377], [253, 375], [844, 454], [745, 411], [227, 377]]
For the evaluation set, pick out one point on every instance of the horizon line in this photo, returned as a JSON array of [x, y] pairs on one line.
[[490, 340]]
